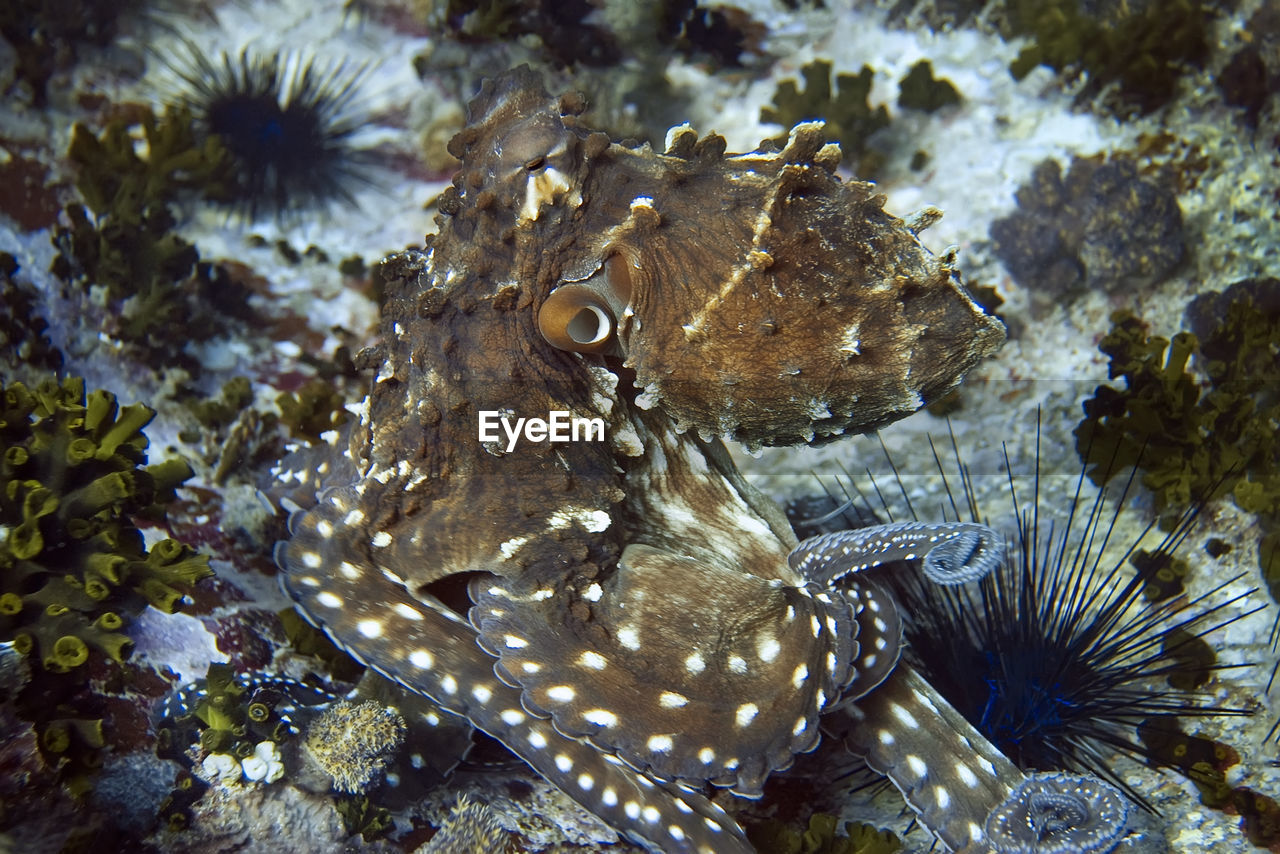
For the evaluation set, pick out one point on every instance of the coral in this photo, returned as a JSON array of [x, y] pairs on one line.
[[49, 35], [217, 412], [115, 176], [353, 742], [1195, 442], [286, 125], [1059, 812], [22, 331], [820, 838], [233, 437], [562, 29], [73, 566], [470, 828], [1141, 47], [253, 818], [1164, 573], [722, 33], [920, 90], [73, 563], [1205, 763], [122, 237], [313, 410], [850, 120], [360, 815], [1103, 226], [229, 717]]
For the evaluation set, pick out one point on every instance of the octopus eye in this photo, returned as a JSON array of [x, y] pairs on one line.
[[575, 318], [582, 315]]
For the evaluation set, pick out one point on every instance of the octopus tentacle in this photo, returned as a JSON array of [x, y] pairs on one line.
[[429, 649], [952, 552], [950, 775], [630, 662]]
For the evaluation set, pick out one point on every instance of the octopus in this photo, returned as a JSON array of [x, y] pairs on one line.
[[625, 612]]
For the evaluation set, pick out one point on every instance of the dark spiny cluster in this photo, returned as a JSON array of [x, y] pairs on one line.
[[1056, 657], [287, 124]]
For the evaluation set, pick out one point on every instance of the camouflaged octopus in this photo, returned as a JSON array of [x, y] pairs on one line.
[[636, 621]]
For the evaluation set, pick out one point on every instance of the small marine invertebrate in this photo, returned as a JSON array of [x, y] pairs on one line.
[[1059, 814], [287, 125], [1101, 226], [848, 119], [591, 569], [354, 742]]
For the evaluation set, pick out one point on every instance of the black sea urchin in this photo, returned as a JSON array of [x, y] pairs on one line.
[[1058, 657], [287, 124]]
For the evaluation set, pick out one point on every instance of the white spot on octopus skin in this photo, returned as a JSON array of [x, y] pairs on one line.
[[593, 660], [659, 743], [768, 649], [629, 637], [407, 611], [672, 700], [329, 600], [601, 717], [561, 693]]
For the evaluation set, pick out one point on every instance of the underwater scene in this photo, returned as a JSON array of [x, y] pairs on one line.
[[779, 426]]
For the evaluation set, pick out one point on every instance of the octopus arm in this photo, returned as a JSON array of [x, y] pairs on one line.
[[950, 775], [428, 649]]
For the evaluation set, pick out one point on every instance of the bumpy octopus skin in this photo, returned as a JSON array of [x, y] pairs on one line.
[[640, 623]]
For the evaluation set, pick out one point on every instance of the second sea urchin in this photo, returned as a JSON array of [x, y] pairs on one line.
[[1060, 658]]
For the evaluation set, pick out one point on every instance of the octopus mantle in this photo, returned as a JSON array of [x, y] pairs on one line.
[[633, 627]]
